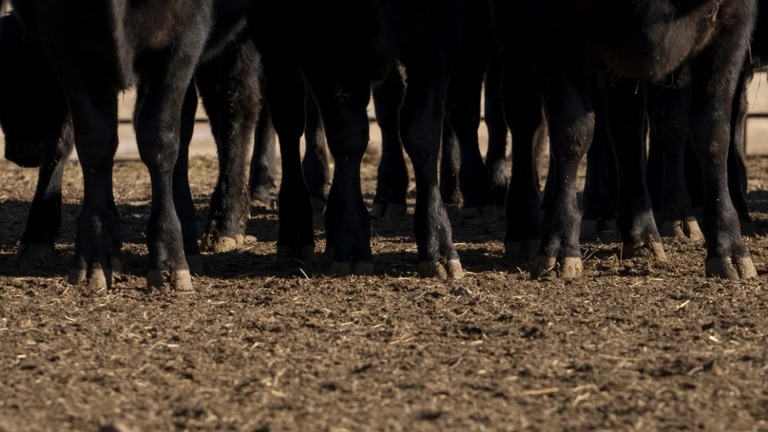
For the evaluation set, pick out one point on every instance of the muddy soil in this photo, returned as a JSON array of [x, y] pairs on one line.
[[631, 345]]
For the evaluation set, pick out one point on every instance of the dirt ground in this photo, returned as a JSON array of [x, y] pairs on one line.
[[259, 347]]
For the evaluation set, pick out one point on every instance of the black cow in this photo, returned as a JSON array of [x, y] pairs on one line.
[[636, 42], [40, 134], [96, 50], [37, 128], [338, 49]]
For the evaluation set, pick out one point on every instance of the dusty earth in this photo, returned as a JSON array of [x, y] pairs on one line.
[[260, 347]]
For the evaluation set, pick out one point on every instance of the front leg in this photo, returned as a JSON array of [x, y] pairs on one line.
[[625, 109], [421, 119], [571, 126], [347, 222], [392, 174]]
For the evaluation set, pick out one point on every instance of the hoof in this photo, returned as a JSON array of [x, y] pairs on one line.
[[165, 280], [430, 269], [683, 229], [195, 263], [572, 268], [454, 269], [440, 270], [631, 250], [116, 261], [35, 252], [363, 268], [97, 282], [341, 268], [221, 244], [726, 268], [389, 212], [527, 249], [77, 276], [543, 266]]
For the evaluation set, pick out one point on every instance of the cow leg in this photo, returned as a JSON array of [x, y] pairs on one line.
[[669, 136], [571, 126], [182, 195], [348, 229], [600, 190], [523, 113], [94, 118], [315, 163], [285, 94], [421, 119], [713, 83], [157, 121], [229, 88], [263, 177], [44, 219], [450, 166], [625, 107], [392, 174], [462, 111], [496, 156], [737, 170]]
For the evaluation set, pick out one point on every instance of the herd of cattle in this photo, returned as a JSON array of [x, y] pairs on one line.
[[638, 85]]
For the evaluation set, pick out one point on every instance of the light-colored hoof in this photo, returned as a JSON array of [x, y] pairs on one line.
[[572, 268], [35, 252], [116, 262], [165, 280], [98, 281], [77, 276], [527, 249], [746, 267], [195, 263], [454, 269], [542, 266], [682, 229], [631, 250], [721, 268], [431, 269], [222, 244], [341, 269], [363, 268], [726, 268]]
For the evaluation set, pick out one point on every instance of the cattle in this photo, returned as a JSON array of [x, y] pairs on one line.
[[634, 43], [100, 50], [40, 134], [337, 49], [37, 128], [480, 186]]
